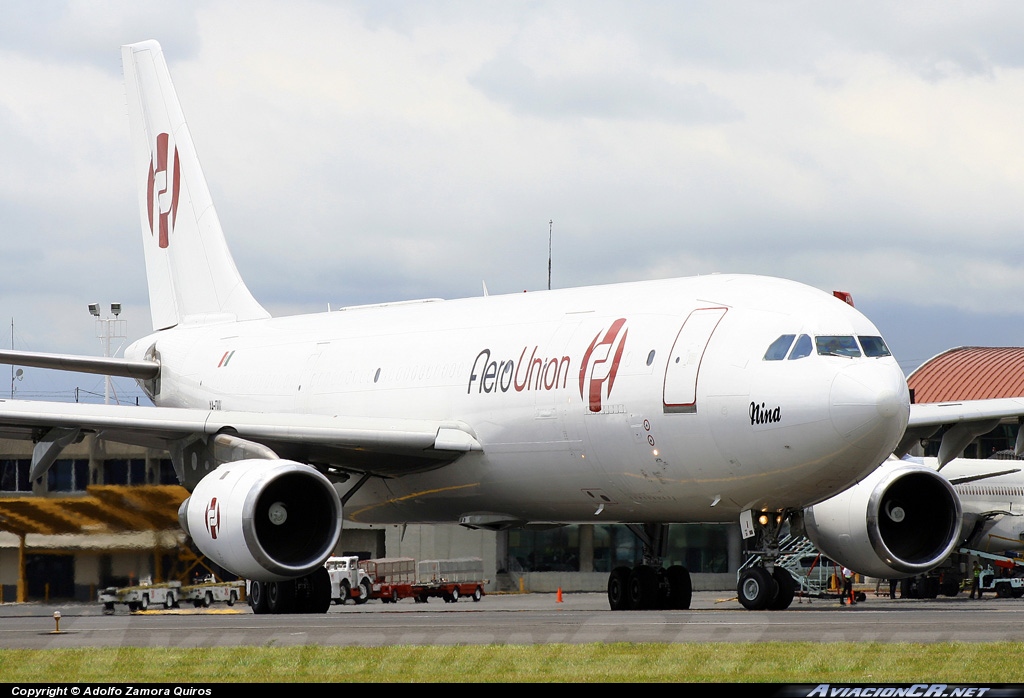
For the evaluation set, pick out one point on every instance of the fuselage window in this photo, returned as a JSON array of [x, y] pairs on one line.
[[802, 348], [779, 348], [650, 358], [837, 345], [874, 346]]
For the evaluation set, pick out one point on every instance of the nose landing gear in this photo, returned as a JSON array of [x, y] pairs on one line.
[[765, 586]]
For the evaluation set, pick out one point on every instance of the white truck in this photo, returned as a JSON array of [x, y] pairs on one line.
[[348, 580]]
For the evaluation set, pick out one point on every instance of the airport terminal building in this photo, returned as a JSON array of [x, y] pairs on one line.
[[105, 514]]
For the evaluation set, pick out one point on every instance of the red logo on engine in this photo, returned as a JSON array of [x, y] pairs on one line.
[[601, 363], [213, 518], [164, 185]]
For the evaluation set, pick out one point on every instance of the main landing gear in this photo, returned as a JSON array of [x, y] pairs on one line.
[[309, 594], [766, 586], [649, 586]]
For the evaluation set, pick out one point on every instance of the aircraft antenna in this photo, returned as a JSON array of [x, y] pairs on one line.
[[550, 223]]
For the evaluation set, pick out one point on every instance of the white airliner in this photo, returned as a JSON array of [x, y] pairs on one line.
[[721, 398], [988, 494]]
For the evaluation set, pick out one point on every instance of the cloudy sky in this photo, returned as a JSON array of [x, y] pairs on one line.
[[369, 151]]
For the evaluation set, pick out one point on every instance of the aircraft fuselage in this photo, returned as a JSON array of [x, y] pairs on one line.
[[648, 401]]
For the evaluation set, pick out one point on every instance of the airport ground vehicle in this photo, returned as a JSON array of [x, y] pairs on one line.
[[1003, 575], [404, 578], [207, 591], [348, 579], [141, 597], [1004, 587]]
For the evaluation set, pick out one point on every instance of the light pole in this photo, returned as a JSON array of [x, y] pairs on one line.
[[108, 328]]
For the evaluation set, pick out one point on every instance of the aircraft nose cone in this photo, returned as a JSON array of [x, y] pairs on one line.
[[870, 405]]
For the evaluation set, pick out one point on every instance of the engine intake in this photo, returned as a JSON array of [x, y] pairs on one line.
[[900, 521], [265, 520]]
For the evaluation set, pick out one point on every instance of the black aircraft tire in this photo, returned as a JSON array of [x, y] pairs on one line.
[[680, 588], [642, 588], [321, 591], [618, 599], [257, 597], [787, 589], [281, 596], [756, 589]]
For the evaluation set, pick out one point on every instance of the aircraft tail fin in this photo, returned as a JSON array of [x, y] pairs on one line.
[[192, 277]]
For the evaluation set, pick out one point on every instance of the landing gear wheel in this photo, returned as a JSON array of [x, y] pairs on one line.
[[757, 589], [320, 591], [258, 597], [618, 580], [680, 588], [787, 588], [643, 588], [281, 596]]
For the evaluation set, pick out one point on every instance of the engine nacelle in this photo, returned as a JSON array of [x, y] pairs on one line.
[[265, 520], [900, 521]]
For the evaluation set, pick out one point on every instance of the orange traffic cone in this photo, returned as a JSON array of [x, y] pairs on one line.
[[558, 597]]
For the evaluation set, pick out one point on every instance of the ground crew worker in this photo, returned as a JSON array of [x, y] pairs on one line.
[[976, 581], [847, 587]]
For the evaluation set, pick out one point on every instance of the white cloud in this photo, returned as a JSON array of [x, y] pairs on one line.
[[370, 151]]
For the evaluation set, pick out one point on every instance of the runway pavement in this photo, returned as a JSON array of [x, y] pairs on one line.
[[517, 619]]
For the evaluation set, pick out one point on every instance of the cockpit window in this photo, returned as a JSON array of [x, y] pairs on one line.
[[779, 348], [802, 348], [837, 345], [874, 346]]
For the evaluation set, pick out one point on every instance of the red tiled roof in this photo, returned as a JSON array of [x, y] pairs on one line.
[[970, 373]]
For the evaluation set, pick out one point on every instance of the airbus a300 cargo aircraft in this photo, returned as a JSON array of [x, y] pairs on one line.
[[720, 398]]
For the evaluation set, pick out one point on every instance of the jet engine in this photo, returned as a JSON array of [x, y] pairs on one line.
[[264, 520], [900, 521]]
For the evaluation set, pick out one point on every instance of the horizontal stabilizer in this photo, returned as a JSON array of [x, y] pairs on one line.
[[143, 370]]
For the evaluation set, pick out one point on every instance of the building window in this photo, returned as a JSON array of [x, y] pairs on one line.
[[14, 475], [167, 476], [701, 548], [67, 475]]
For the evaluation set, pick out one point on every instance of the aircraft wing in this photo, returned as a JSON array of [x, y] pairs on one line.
[[387, 447], [965, 421]]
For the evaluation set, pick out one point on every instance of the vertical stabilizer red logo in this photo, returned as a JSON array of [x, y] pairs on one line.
[[601, 363], [163, 187], [213, 518]]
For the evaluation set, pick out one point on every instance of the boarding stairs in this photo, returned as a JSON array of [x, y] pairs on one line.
[[813, 579]]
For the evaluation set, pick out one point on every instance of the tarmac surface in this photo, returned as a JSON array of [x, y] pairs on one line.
[[516, 619]]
